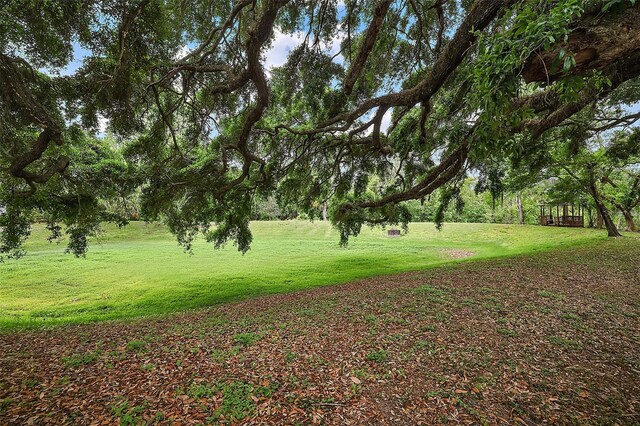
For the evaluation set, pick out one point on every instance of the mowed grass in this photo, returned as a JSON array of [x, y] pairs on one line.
[[140, 270]]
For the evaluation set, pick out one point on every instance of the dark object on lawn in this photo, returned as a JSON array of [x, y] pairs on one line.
[[393, 233], [558, 215]]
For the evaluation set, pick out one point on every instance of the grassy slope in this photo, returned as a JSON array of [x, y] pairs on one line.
[[140, 270], [536, 339]]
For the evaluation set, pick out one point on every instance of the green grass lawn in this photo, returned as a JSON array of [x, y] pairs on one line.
[[140, 270]]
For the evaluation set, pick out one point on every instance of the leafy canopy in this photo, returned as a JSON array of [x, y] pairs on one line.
[[380, 103]]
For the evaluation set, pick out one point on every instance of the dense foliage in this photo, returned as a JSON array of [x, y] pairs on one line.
[[418, 93]]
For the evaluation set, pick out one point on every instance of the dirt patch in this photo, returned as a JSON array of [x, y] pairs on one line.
[[545, 339], [457, 253]]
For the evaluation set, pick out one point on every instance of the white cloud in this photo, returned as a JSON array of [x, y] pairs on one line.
[[283, 44], [277, 54], [386, 121], [334, 48], [103, 123], [184, 51]]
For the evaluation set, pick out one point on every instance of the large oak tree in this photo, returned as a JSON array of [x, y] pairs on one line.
[[198, 126]]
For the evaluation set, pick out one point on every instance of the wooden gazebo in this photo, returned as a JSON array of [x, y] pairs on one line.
[[563, 214]]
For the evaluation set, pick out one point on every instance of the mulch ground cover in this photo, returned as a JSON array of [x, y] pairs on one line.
[[552, 338]]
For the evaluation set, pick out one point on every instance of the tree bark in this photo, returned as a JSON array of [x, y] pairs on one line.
[[628, 217], [596, 40], [368, 42], [603, 212], [612, 231], [520, 211], [626, 212], [599, 221], [324, 211]]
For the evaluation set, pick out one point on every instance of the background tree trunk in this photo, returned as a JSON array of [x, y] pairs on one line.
[[324, 211], [628, 217], [612, 231], [603, 214], [520, 211], [626, 212], [599, 222]]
